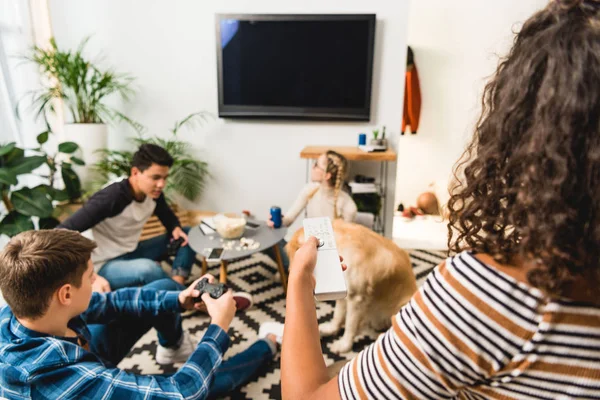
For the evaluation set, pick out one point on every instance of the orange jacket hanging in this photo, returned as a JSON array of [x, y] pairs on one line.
[[412, 95]]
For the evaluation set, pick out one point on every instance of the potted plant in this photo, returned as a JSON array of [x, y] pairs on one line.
[[84, 90], [376, 141], [23, 205], [187, 176]]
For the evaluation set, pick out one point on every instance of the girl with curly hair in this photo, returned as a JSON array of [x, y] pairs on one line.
[[514, 313]]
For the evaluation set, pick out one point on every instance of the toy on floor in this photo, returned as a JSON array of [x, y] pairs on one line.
[[427, 204]]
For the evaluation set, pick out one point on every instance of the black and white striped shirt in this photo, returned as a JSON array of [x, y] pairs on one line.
[[474, 332]]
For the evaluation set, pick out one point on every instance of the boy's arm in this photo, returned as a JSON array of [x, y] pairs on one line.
[[92, 379], [106, 307], [106, 203], [166, 216]]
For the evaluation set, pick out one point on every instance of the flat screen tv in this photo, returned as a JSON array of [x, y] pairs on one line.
[[295, 66]]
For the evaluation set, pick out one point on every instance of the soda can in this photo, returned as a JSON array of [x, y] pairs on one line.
[[362, 139], [276, 216]]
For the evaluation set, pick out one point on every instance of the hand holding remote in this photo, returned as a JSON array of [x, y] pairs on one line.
[[329, 277]]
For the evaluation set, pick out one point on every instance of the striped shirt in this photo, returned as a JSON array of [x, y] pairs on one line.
[[474, 332]]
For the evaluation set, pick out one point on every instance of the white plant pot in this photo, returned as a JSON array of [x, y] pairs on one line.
[[90, 138]]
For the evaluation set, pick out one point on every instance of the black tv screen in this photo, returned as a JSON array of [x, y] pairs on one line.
[[295, 66]]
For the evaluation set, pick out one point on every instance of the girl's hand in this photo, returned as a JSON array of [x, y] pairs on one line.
[[270, 223], [305, 260]]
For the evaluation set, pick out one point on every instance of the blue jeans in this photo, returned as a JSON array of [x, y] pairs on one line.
[[140, 267], [240, 369], [114, 340]]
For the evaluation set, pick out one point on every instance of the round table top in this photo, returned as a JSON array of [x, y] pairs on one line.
[[264, 235]]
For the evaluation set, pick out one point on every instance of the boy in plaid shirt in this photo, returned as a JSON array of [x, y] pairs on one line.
[[60, 340]]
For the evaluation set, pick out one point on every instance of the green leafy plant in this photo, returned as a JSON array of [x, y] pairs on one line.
[[375, 133], [187, 176], [82, 86], [22, 204]]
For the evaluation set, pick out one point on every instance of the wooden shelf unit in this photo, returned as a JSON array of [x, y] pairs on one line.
[[353, 153], [350, 152]]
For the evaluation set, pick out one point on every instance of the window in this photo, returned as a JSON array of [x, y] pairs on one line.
[[15, 78]]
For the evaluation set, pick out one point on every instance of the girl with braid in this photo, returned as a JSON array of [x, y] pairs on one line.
[[324, 197]]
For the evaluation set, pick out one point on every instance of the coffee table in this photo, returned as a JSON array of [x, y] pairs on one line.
[[265, 235]]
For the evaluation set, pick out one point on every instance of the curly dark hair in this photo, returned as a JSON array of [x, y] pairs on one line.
[[528, 185]]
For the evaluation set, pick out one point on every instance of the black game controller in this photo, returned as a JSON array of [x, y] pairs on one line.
[[174, 245], [215, 290]]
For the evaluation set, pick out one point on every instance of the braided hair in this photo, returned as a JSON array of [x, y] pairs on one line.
[[337, 166]]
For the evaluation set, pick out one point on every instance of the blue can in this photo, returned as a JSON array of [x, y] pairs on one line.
[[362, 139], [276, 216]]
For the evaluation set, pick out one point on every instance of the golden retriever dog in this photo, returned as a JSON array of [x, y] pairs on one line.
[[379, 278]]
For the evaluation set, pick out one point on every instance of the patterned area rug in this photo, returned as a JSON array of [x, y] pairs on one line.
[[255, 275]]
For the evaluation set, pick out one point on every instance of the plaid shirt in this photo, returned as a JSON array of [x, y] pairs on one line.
[[38, 365]]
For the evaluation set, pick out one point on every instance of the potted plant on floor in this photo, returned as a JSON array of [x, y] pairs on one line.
[[187, 176], [44, 201], [84, 89]]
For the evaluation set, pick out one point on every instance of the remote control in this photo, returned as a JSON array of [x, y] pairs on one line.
[[215, 290], [329, 277]]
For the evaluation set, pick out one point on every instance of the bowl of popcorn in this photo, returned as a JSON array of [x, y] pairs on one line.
[[228, 227]]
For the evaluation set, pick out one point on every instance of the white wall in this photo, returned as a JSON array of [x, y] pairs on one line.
[[456, 46], [170, 47]]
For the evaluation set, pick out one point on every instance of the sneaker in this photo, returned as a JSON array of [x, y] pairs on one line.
[[243, 301], [167, 355], [268, 328]]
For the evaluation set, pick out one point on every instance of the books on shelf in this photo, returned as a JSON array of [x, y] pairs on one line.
[[356, 187], [371, 148]]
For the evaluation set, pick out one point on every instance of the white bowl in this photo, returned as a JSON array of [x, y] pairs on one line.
[[230, 228]]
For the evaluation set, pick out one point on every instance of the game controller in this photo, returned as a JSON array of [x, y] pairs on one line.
[[174, 245], [215, 290]]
